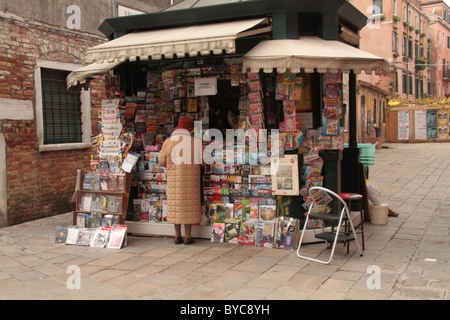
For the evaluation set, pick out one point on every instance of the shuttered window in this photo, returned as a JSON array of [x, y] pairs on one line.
[[61, 108]]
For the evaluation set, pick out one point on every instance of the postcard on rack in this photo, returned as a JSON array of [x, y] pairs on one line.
[[337, 142], [252, 76], [254, 97], [254, 86], [130, 161], [305, 120], [282, 91], [331, 126], [289, 108], [290, 124], [287, 78], [255, 107], [333, 110], [332, 93], [192, 105], [256, 119], [296, 92], [333, 77]]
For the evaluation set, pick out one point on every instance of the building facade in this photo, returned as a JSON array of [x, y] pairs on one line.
[[419, 55], [400, 32], [82, 15], [45, 129], [439, 16]]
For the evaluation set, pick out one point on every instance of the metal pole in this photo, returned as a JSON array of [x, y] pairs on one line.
[[352, 143]]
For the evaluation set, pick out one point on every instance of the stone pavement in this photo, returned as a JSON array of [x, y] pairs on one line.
[[412, 253]]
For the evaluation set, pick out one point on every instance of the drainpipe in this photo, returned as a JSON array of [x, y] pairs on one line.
[[113, 5]]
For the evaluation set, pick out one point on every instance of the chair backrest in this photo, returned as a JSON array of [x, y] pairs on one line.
[[312, 190]]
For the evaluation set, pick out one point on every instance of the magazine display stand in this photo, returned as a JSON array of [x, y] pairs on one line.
[[137, 123], [102, 198]]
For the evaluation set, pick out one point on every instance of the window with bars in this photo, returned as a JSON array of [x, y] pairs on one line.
[[61, 108]]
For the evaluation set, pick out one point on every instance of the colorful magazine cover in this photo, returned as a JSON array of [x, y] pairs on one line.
[[286, 231], [232, 228], [245, 208], [100, 237], [61, 234], [218, 232], [238, 209], [265, 231], [254, 208], [247, 232], [72, 235], [130, 161], [268, 212], [220, 214], [84, 237], [117, 237]]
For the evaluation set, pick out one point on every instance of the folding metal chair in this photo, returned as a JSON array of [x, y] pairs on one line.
[[336, 234]]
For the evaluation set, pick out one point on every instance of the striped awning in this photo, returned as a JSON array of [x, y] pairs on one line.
[[181, 41], [92, 71], [311, 53]]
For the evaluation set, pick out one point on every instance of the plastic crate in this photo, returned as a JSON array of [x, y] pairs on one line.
[[367, 153]]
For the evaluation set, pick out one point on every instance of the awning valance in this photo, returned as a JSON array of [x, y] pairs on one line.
[[311, 53], [191, 40], [93, 70]]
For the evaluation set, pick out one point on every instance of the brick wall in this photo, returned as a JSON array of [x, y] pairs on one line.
[[39, 184]]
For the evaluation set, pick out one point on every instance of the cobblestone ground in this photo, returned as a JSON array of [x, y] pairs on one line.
[[415, 182], [411, 253]]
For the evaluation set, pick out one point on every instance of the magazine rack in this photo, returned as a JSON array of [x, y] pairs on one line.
[[114, 197], [337, 234]]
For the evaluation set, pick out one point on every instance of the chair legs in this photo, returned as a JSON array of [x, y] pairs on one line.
[[334, 239], [361, 223], [349, 198]]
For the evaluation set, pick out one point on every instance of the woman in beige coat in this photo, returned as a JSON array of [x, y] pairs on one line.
[[183, 179]]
